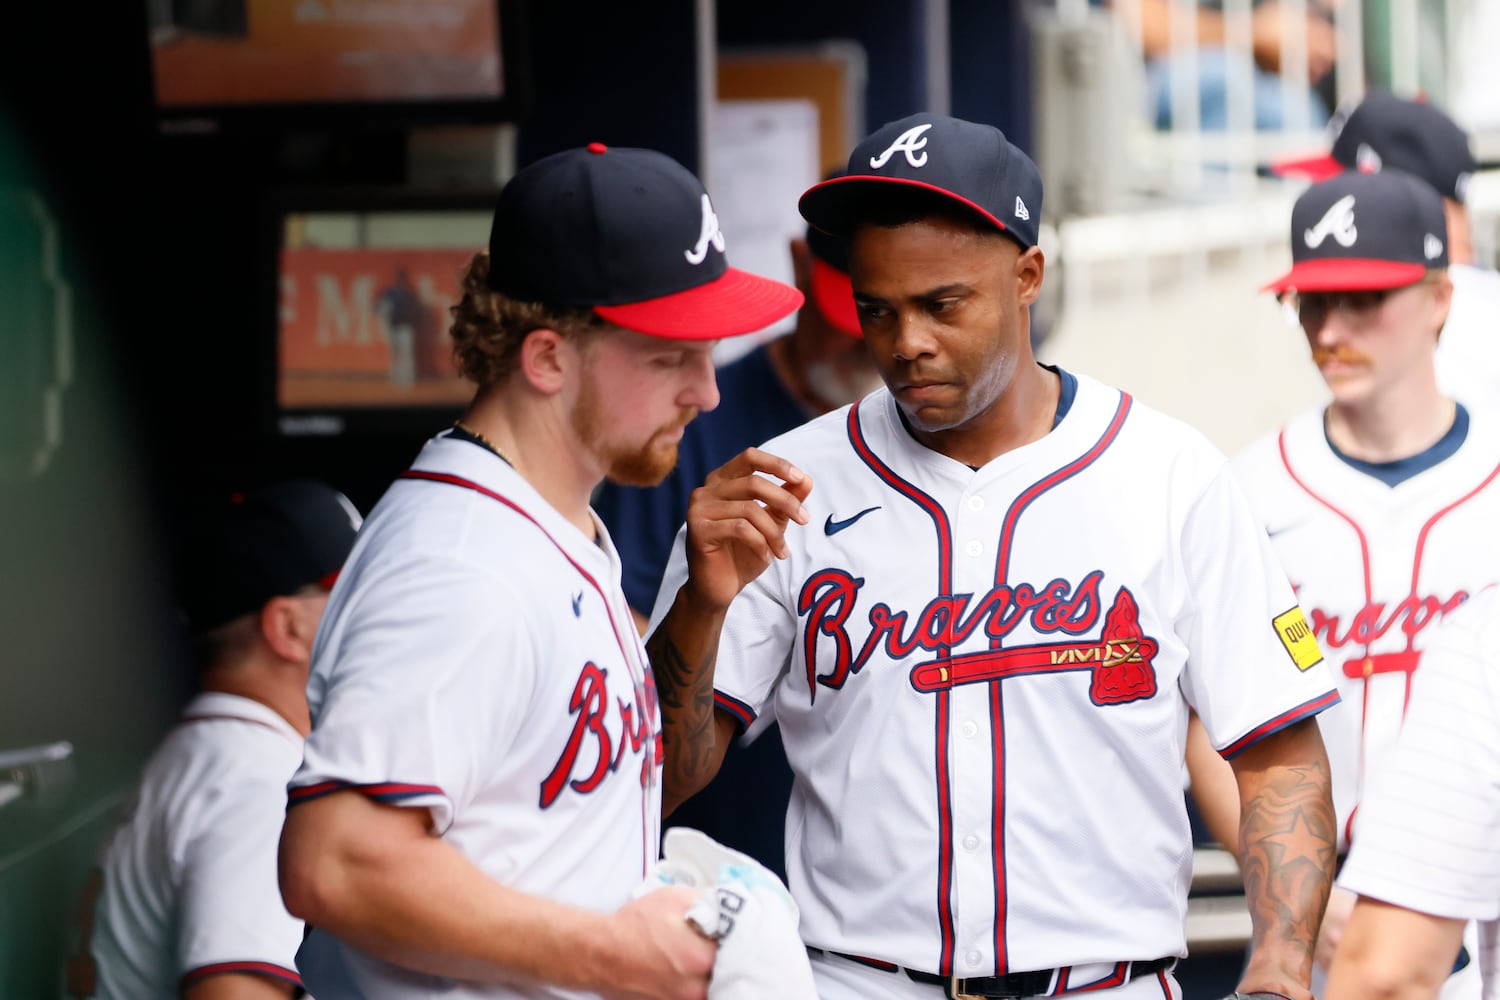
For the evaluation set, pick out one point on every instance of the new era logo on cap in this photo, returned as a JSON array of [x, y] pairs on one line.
[[632, 234], [1360, 231], [972, 164]]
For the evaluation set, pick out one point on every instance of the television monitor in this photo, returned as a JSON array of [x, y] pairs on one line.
[[224, 64], [358, 308]]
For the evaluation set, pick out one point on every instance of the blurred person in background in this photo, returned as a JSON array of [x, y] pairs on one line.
[[821, 365], [186, 901], [1381, 504]]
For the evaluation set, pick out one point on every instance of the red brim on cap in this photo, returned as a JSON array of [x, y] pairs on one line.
[[1339, 274], [834, 296], [1318, 167], [734, 303]]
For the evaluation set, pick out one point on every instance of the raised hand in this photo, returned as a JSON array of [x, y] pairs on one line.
[[737, 521]]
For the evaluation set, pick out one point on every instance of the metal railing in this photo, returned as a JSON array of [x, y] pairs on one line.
[[1154, 132], [1200, 99]]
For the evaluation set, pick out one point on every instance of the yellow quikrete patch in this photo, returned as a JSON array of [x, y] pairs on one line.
[[1297, 636]]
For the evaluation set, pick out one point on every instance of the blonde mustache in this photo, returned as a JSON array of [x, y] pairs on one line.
[[1341, 354]]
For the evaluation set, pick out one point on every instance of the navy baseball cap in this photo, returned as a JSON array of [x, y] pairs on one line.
[[1359, 231], [972, 164], [1383, 131], [632, 234], [269, 542]]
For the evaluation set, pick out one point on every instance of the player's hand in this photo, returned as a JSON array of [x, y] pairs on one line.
[[1335, 918], [658, 954], [737, 521]]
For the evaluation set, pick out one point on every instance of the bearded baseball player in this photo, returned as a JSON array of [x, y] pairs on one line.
[[1382, 505], [480, 793], [983, 643]]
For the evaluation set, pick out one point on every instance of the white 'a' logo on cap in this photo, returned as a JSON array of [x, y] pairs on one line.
[[709, 233], [909, 143], [1337, 222]]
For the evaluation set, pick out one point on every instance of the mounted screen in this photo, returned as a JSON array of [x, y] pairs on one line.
[[219, 63], [363, 286]]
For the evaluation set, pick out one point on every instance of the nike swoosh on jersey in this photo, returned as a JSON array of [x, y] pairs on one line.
[[578, 605], [832, 527]]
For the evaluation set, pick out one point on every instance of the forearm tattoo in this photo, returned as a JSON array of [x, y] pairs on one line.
[[686, 693], [1288, 835]]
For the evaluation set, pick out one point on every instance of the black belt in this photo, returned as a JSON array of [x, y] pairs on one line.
[[1010, 985]]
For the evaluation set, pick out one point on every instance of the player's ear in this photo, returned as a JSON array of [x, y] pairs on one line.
[[289, 625], [1442, 301], [545, 359], [1029, 269], [801, 264]]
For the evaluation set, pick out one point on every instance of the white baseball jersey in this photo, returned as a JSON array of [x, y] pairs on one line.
[[1431, 820], [478, 660], [1375, 567], [189, 884], [1468, 352], [983, 677]]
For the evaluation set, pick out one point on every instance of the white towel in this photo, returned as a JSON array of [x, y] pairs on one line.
[[746, 909]]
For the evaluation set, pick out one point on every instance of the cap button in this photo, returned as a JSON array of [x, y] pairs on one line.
[[597, 147]]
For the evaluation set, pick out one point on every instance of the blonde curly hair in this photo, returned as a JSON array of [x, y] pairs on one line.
[[489, 326]]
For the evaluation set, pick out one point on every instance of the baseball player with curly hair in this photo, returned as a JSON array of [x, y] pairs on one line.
[[982, 643], [1382, 504], [480, 793]]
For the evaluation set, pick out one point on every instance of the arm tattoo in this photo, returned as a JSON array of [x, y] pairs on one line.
[[686, 694], [1287, 836]]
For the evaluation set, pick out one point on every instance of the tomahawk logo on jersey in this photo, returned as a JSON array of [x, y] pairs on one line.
[[1376, 567], [993, 664]]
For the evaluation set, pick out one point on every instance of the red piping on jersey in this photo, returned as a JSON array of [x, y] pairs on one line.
[[940, 715], [1287, 718], [194, 976], [1109, 982], [997, 719], [1407, 665], [742, 713], [1166, 990], [648, 851], [385, 791]]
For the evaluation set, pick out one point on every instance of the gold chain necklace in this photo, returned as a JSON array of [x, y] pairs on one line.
[[484, 441]]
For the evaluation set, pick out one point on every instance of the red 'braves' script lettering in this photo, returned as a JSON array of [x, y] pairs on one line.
[[590, 703], [827, 599], [1412, 613]]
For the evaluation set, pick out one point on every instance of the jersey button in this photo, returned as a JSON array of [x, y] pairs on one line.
[[973, 958], [976, 503], [974, 549], [971, 843], [970, 729]]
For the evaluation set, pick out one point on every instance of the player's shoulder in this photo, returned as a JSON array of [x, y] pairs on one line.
[[1268, 452], [1477, 282], [1149, 438]]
